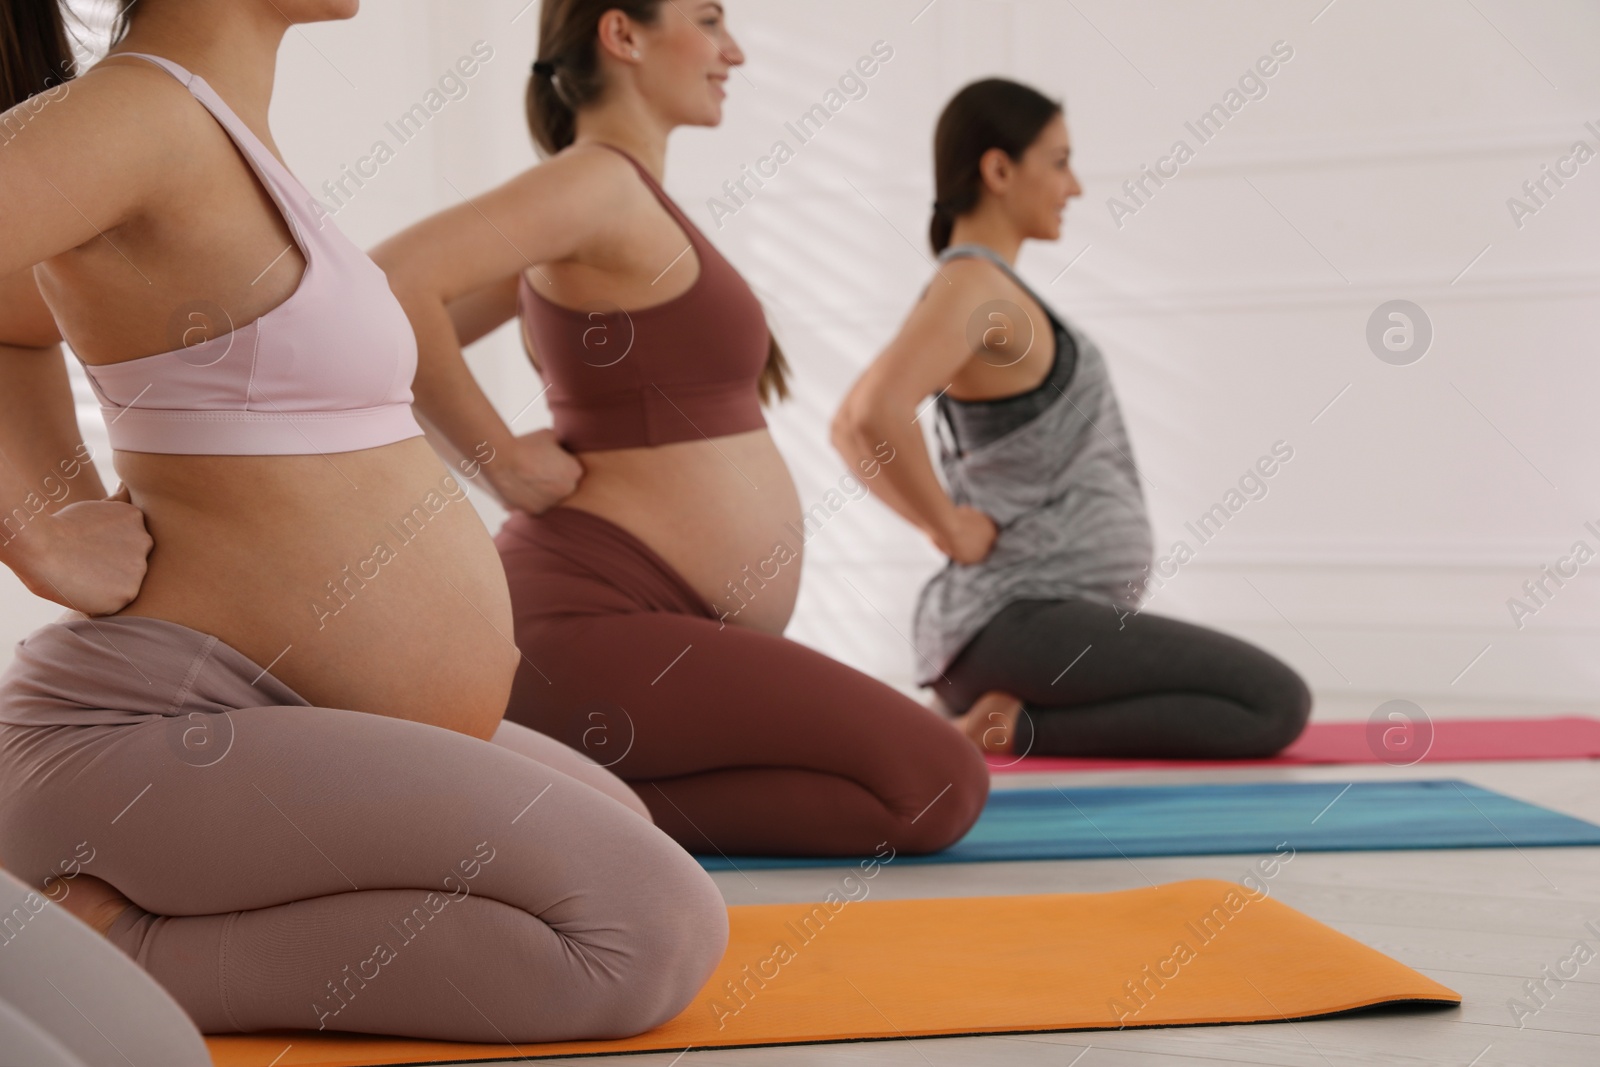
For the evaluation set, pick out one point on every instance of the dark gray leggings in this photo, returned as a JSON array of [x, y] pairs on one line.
[[1098, 681]]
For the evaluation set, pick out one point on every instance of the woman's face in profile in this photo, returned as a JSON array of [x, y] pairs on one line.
[[1044, 182], [689, 56]]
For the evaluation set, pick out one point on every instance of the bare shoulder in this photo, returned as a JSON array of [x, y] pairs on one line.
[[119, 133], [579, 175], [582, 199], [549, 212], [978, 276], [593, 161], [123, 106], [86, 156], [964, 283]]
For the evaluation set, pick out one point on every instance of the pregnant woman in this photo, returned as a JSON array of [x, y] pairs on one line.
[[660, 489], [267, 740], [1031, 628]]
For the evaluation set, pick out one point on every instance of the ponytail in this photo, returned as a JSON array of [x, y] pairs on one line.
[[567, 77], [36, 53], [567, 74], [774, 380], [552, 123], [993, 113], [940, 229]]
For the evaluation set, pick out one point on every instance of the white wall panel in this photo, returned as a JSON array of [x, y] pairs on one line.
[[1232, 305]]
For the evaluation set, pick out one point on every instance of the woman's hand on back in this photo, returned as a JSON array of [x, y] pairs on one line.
[[969, 537], [537, 474], [90, 556]]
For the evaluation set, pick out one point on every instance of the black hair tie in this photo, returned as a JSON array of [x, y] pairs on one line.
[[544, 67]]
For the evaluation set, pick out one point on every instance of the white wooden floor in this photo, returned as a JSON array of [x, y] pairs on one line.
[[1481, 921]]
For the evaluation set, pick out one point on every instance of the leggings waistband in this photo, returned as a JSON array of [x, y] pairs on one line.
[[120, 669], [575, 562]]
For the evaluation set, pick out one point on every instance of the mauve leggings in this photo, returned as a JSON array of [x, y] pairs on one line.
[[1098, 681], [740, 741], [303, 867]]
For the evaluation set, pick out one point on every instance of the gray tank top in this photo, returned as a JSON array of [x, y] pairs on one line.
[[1064, 493]]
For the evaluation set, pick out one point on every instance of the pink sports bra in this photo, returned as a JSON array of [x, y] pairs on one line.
[[327, 370]]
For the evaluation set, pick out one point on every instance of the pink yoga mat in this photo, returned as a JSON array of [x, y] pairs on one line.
[[1441, 741]]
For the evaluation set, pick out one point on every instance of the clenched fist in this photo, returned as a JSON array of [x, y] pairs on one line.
[[537, 475], [90, 556], [970, 537]]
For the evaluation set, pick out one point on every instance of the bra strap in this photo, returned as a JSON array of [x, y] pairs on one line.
[[684, 222], [972, 250], [281, 186], [165, 64]]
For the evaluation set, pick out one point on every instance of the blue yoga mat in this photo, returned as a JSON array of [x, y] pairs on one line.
[[1234, 817]]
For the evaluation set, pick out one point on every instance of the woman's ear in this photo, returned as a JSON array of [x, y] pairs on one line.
[[996, 167], [617, 34]]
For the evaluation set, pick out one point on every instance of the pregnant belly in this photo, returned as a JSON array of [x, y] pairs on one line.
[[363, 580], [723, 513]]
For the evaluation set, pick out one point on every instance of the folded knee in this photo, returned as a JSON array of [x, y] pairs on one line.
[[1282, 717], [677, 933], [957, 787]]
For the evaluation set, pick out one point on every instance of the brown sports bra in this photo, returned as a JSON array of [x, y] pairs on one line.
[[683, 370]]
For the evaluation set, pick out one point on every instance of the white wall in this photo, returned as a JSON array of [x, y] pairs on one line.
[[1232, 307]]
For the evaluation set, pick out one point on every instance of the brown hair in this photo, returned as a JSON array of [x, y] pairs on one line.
[[993, 113], [35, 49], [567, 77]]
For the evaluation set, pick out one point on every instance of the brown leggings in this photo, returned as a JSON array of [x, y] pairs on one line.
[[740, 741], [302, 867]]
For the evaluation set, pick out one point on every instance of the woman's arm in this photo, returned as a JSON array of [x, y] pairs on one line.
[[459, 269], [478, 314], [84, 162], [58, 533], [474, 316], [43, 448], [882, 407]]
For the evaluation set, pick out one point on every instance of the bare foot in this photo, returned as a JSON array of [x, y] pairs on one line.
[[991, 722], [94, 902]]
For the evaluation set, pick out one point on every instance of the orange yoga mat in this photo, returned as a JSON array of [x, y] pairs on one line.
[[1187, 953]]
